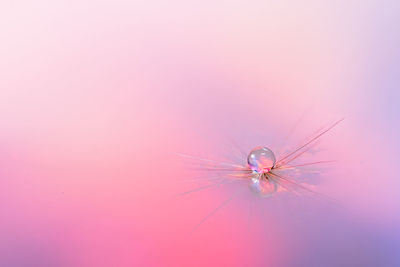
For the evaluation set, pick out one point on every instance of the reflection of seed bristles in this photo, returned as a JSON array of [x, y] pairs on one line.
[[262, 171]]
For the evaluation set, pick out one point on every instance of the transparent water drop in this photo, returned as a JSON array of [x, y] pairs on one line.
[[261, 159]]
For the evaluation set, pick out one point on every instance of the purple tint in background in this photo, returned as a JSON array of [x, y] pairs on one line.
[[97, 97]]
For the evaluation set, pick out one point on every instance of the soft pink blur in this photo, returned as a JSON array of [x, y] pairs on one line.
[[96, 97]]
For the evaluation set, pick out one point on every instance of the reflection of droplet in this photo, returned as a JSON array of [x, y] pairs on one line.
[[261, 159], [262, 186]]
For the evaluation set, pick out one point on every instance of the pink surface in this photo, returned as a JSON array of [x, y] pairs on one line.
[[96, 98]]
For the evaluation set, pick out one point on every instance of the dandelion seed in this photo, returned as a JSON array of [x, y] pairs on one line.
[[263, 171]]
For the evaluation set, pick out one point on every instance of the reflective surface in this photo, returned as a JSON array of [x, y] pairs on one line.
[[263, 187], [97, 95]]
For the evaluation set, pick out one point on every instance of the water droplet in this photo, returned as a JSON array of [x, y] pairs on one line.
[[261, 159]]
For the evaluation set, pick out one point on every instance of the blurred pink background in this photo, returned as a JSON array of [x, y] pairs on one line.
[[96, 97]]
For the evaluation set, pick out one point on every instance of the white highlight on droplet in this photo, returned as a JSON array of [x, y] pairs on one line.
[[261, 159]]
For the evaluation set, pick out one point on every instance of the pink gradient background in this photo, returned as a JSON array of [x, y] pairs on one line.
[[97, 96]]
